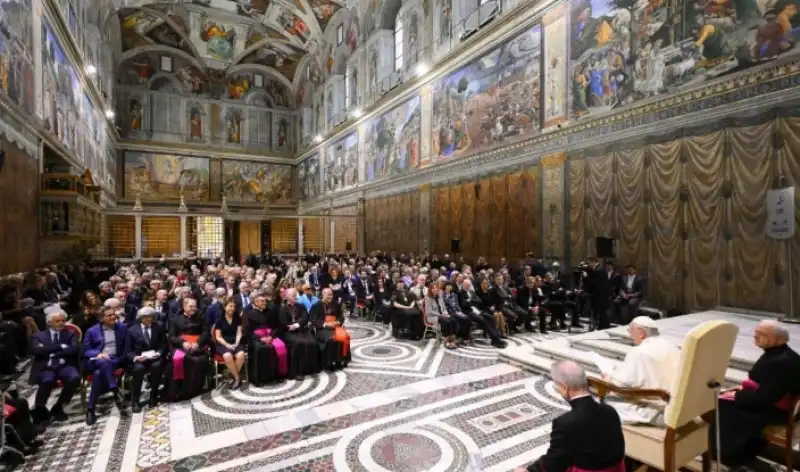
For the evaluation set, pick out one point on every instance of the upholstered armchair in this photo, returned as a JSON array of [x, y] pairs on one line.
[[704, 358]]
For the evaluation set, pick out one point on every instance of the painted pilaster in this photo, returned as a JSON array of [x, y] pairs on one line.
[[362, 146], [183, 236], [553, 206], [37, 55], [300, 236], [425, 137], [138, 235], [424, 233]]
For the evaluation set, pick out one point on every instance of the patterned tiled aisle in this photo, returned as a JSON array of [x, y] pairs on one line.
[[400, 406]]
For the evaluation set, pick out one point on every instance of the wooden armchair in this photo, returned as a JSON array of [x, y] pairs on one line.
[[783, 435], [704, 359]]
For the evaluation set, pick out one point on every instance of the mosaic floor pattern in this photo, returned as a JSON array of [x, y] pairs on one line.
[[400, 406]]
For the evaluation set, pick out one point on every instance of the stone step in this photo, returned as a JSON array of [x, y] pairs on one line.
[[540, 358], [618, 351]]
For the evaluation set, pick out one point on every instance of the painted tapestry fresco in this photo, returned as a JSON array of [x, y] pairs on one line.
[[341, 164], [164, 176], [62, 94], [16, 53], [308, 178], [624, 50], [391, 143], [495, 98], [257, 182]]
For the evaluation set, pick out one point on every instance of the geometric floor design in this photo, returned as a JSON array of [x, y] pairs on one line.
[[400, 406]]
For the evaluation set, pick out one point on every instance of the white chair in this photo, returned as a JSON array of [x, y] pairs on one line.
[[704, 359]]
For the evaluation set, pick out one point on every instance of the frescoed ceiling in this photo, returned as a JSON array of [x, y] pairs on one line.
[[270, 37]]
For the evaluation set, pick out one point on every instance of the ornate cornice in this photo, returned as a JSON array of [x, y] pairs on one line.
[[196, 150], [16, 128]]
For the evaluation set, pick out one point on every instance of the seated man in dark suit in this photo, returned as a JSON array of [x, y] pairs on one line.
[[145, 352], [763, 399], [103, 352], [629, 296], [55, 358], [586, 438]]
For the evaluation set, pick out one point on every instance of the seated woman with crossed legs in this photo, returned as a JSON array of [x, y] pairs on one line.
[[228, 341]]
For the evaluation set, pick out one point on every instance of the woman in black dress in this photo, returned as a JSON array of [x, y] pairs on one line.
[[188, 337], [406, 316], [266, 353], [228, 342]]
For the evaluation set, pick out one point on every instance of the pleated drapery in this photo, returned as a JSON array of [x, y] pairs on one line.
[[690, 213]]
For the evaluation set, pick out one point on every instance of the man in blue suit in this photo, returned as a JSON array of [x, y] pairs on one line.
[[103, 352], [55, 358]]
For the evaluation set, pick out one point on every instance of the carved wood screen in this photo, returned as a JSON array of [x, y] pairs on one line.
[[314, 234], [689, 211], [121, 235], [161, 236]]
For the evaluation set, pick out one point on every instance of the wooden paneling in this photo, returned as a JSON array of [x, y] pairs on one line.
[[515, 219], [483, 217], [249, 237], [499, 208], [392, 223], [19, 212]]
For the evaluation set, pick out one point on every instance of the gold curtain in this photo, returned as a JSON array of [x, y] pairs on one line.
[[629, 181], [704, 219], [664, 213], [749, 266], [577, 210], [600, 185], [790, 168]]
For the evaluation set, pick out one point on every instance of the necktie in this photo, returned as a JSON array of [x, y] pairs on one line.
[[246, 300], [55, 338], [158, 308], [147, 335]]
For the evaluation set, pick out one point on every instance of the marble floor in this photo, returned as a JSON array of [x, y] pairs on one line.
[[400, 406]]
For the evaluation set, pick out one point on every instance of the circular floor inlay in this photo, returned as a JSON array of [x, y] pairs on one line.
[[381, 351], [405, 452]]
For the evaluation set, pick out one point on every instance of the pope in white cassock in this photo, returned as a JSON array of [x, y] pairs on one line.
[[651, 364]]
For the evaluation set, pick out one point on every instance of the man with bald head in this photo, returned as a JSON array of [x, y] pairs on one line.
[[589, 436], [761, 400]]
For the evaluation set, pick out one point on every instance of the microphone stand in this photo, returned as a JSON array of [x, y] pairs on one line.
[[4, 448], [716, 388]]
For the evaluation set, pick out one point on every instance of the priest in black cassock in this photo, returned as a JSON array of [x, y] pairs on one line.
[[188, 338], [763, 399], [334, 342], [300, 342], [266, 352]]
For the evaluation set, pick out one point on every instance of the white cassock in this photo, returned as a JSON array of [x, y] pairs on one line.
[[651, 364]]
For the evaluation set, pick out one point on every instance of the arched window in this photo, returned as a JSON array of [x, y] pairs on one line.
[[398, 44]]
